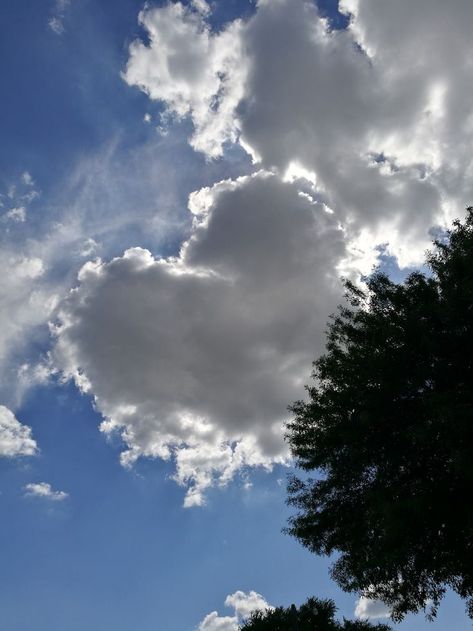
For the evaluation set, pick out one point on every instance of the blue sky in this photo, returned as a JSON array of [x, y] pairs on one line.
[[200, 178]]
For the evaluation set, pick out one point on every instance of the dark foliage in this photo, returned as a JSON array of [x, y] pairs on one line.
[[313, 615], [388, 428]]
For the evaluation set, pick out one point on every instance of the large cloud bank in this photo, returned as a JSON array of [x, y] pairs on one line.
[[198, 356], [379, 112], [363, 139]]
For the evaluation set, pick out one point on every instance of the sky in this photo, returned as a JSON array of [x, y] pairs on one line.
[[182, 187]]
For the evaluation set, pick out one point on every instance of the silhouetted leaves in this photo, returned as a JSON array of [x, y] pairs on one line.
[[388, 428]]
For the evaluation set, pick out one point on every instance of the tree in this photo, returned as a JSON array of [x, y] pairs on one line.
[[388, 429], [314, 615]]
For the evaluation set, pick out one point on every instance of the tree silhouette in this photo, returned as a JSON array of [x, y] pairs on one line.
[[314, 615], [388, 429]]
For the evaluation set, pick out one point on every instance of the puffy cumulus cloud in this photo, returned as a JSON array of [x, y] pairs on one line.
[[44, 490], [367, 608], [325, 105], [192, 70], [243, 604], [15, 438], [109, 199], [380, 112], [197, 357], [214, 622]]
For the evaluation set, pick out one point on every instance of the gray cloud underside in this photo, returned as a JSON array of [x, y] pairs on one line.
[[200, 355]]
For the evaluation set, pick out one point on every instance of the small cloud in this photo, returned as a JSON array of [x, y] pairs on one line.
[[56, 22], [56, 25], [43, 489], [27, 179], [369, 608], [89, 247], [31, 375], [245, 603], [242, 603], [147, 118], [15, 438], [17, 215], [29, 267], [29, 196], [201, 7], [17, 198]]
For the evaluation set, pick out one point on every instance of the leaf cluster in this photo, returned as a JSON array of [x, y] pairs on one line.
[[388, 429]]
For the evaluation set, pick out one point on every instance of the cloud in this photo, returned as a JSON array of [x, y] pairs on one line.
[[243, 604], [15, 438], [17, 214], [379, 112], [26, 303], [192, 70], [214, 622], [27, 178], [56, 21], [17, 199], [44, 490], [28, 287], [108, 200], [367, 608], [196, 357]]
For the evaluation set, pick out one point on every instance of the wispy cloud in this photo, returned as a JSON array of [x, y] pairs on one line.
[[56, 21], [16, 199]]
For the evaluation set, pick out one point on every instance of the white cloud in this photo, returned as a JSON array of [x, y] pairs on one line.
[[194, 71], [56, 21], [243, 604], [90, 247], [17, 214], [44, 490], [15, 438], [25, 302], [17, 199], [368, 608], [197, 357], [394, 86], [214, 622], [27, 178]]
